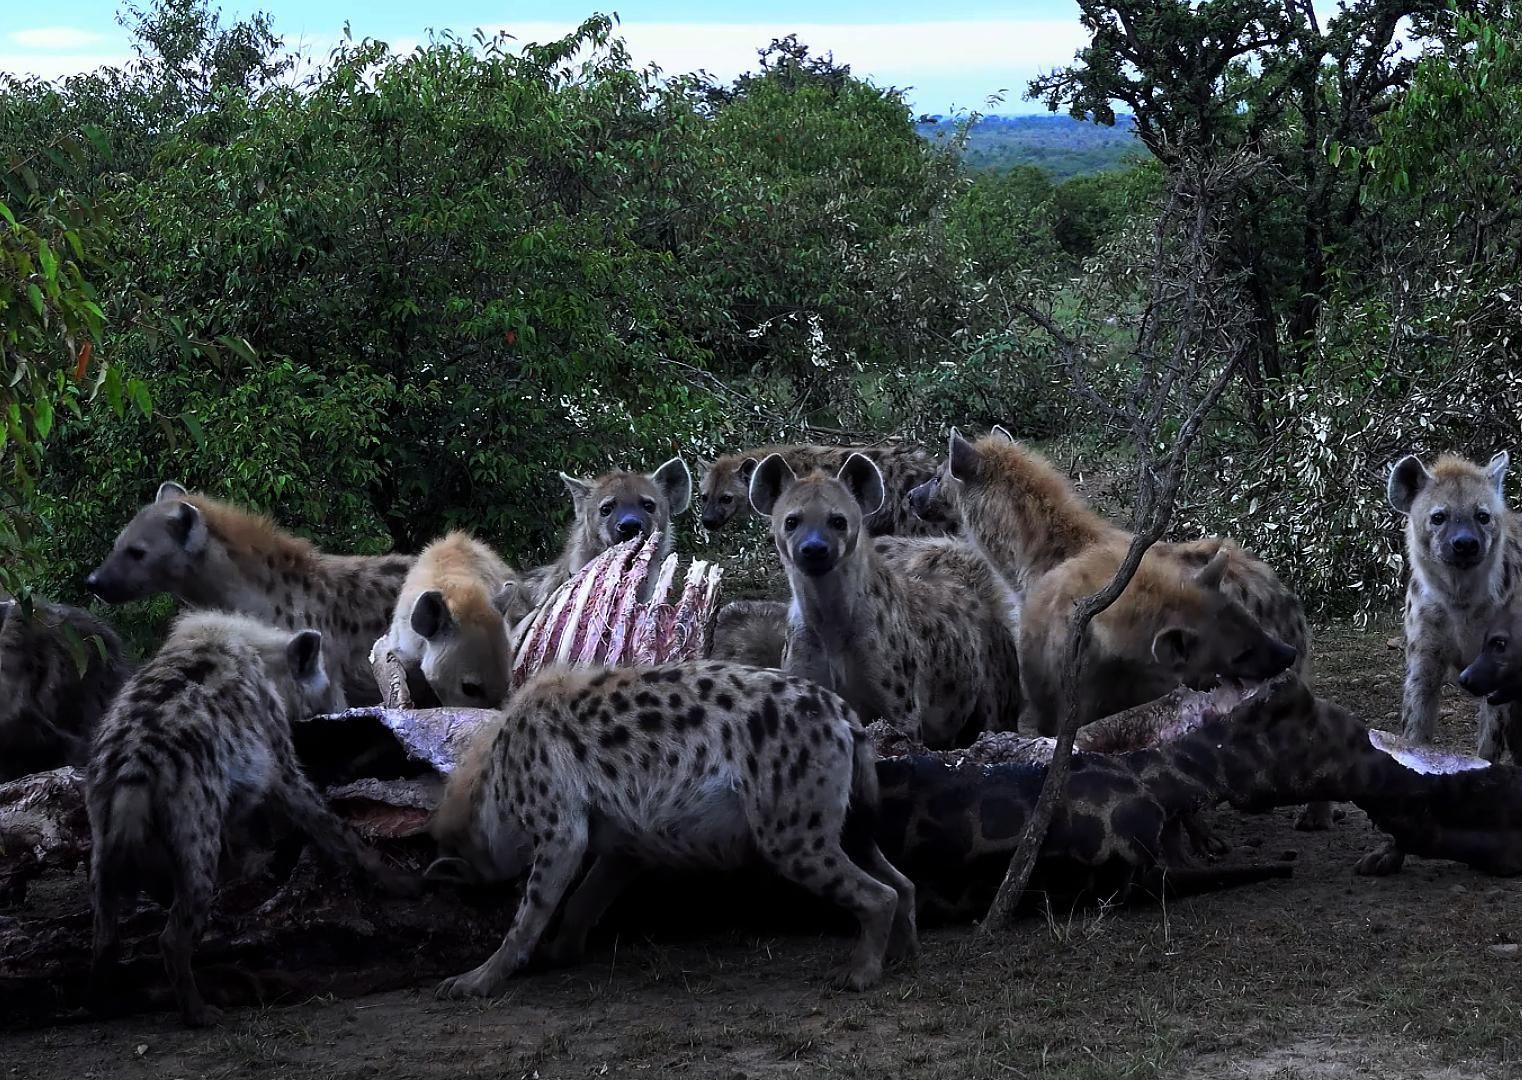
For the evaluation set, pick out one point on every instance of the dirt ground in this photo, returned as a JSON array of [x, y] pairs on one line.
[[1323, 976]]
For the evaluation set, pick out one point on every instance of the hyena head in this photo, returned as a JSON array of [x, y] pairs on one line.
[[477, 844], [725, 488], [1456, 513], [1496, 674], [935, 499], [315, 693], [465, 650], [621, 506], [156, 551], [816, 519], [1212, 636]]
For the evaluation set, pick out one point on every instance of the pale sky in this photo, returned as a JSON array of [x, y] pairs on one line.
[[953, 54]]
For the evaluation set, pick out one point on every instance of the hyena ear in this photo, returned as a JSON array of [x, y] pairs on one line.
[[188, 527], [768, 480], [304, 653], [170, 490], [1495, 471], [430, 615], [1211, 574], [1002, 432], [963, 457], [451, 870], [1174, 647], [578, 488], [864, 480], [747, 468], [1407, 479], [675, 480]]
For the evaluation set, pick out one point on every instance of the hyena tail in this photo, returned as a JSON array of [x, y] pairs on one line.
[[859, 835], [129, 820]]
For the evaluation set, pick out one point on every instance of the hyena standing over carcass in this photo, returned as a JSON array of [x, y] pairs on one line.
[[609, 510], [198, 739], [449, 624], [703, 764], [48, 707], [1193, 612], [1464, 551], [725, 485], [209, 554], [917, 632]]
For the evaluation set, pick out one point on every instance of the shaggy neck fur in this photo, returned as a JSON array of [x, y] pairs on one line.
[[1025, 514]]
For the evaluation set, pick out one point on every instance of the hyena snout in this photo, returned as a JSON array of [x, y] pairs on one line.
[[1465, 548], [110, 588], [814, 554], [1272, 657], [924, 499], [1490, 674]]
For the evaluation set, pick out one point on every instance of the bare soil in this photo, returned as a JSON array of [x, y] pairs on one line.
[[1323, 976]]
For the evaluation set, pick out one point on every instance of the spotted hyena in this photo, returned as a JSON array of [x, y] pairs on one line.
[[48, 706], [448, 623], [725, 486], [199, 738], [609, 510], [1170, 626], [209, 554], [750, 632], [1464, 551], [918, 632], [703, 764], [1026, 516]]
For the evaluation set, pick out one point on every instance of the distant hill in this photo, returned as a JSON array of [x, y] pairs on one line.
[[1059, 144]]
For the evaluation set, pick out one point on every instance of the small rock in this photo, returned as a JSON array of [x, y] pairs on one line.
[[1504, 950], [1457, 889]]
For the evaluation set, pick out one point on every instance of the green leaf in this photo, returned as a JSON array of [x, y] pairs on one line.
[[193, 426], [137, 391], [42, 416], [35, 294]]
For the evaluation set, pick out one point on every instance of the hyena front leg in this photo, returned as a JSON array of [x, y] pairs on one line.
[[557, 857], [609, 875], [1426, 666]]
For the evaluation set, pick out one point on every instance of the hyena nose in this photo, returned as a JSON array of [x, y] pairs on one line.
[[712, 519], [630, 527], [1466, 547], [813, 554], [1466, 680]]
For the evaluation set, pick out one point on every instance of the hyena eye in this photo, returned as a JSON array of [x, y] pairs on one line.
[[473, 689], [790, 522], [1438, 517], [605, 509], [1496, 644], [648, 504], [838, 522], [1482, 516], [136, 552], [726, 499]]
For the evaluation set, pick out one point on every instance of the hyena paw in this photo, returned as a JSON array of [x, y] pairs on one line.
[[478, 982], [857, 976]]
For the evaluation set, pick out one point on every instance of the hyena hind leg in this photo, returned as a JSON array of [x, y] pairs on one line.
[[194, 876], [903, 939], [556, 860], [830, 874]]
